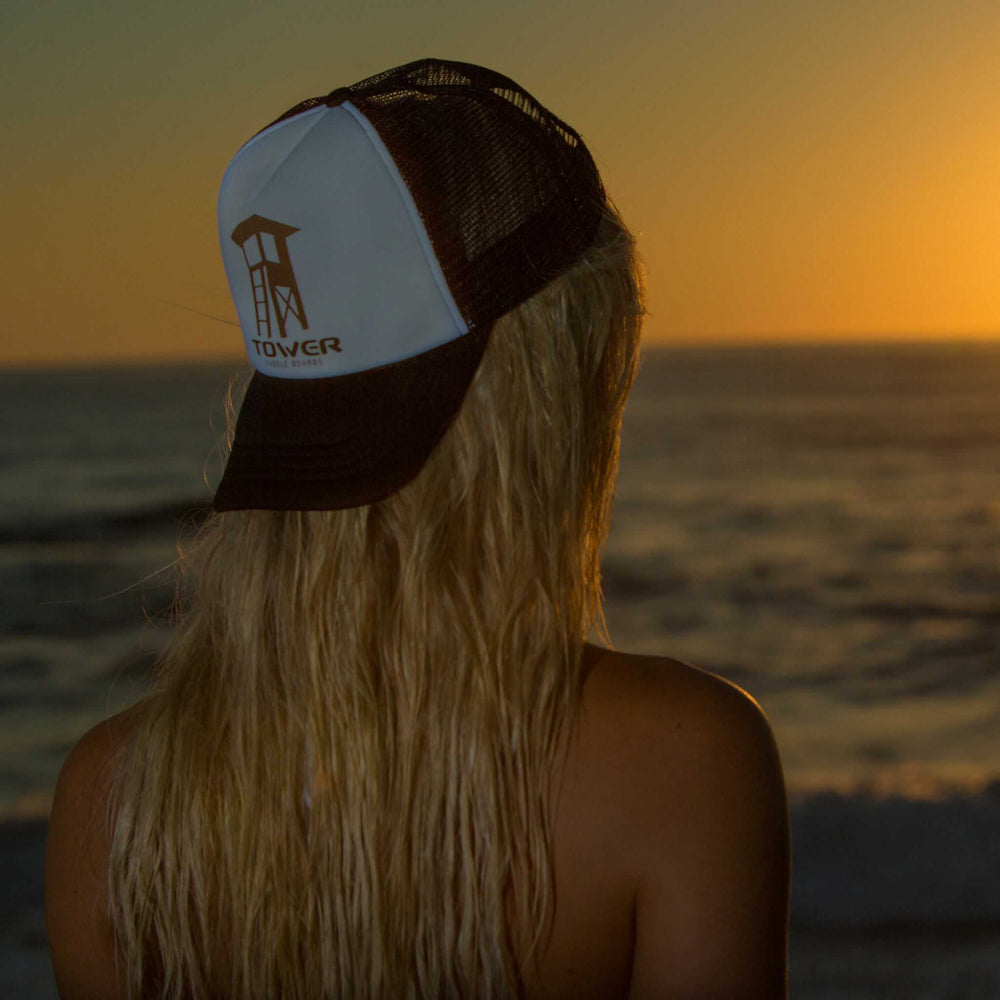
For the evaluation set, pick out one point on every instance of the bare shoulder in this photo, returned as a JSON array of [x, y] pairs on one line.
[[86, 772], [76, 854], [702, 783], [659, 704]]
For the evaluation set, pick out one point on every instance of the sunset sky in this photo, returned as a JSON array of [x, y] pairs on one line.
[[795, 171]]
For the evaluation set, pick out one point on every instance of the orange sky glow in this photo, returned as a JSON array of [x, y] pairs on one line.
[[794, 171]]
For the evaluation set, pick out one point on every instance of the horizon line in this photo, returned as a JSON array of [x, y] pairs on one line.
[[722, 342]]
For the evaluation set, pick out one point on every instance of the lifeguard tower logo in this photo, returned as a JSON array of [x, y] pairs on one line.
[[275, 291]]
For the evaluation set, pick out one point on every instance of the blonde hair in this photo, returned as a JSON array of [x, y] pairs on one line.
[[412, 667]]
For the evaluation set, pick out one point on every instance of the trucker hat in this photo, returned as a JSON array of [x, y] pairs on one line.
[[371, 238]]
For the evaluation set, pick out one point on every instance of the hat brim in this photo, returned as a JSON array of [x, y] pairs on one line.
[[348, 440]]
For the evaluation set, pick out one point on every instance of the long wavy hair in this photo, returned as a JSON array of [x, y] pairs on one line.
[[341, 782]]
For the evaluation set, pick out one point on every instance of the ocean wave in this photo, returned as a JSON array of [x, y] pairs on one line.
[[865, 861], [106, 525], [862, 865], [65, 599]]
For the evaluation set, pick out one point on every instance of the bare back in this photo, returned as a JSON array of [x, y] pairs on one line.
[[670, 844], [671, 841]]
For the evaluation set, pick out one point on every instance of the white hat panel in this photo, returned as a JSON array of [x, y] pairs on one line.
[[328, 262]]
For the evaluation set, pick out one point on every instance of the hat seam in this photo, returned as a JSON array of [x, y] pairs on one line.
[[415, 217], [270, 177]]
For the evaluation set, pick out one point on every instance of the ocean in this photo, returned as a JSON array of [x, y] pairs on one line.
[[818, 524]]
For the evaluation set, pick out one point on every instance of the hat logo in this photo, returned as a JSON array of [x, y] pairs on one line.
[[275, 290]]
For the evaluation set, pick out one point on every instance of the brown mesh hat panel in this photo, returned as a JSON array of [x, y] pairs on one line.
[[509, 197], [509, 194]]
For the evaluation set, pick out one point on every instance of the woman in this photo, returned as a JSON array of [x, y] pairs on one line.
[[380, 758]]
